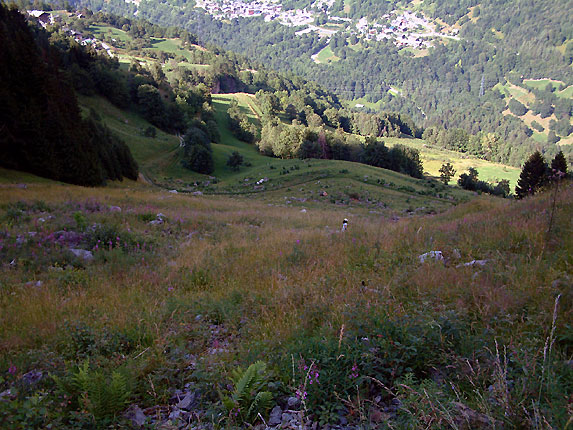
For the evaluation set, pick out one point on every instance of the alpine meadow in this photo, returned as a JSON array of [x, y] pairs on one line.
[[286, 214]]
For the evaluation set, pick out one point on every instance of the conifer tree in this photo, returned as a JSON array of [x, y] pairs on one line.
[[559, 163], [532, 175]]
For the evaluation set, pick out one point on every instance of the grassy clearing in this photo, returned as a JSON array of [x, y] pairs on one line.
[[566, 93], [433, 158], [225, 281], [326, 56], [520, 94], [104, 30], [540, 84]]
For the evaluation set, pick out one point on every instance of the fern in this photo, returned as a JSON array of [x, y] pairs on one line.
[[247, 400], [262, 402], [102, 396]]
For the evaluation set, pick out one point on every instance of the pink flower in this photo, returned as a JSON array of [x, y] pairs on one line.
[[12, 370]]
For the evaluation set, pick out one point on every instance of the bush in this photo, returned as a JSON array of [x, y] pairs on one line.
[[517, 108]]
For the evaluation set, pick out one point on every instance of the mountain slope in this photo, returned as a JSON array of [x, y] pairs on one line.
[[41, 128]]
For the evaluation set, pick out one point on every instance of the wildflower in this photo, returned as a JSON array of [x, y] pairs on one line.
[[298, 241], [12, 370], [170, 288], [353, 372]]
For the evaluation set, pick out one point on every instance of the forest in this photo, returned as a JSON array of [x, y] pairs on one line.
[[451, 87], [47, 135]]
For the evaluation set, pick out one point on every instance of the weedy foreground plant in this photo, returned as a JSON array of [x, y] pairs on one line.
[[350, 323]]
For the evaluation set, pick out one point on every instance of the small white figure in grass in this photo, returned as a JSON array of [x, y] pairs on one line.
[[344, 225]]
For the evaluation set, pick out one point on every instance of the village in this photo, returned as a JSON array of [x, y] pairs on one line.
[[406, 29], [48, 18]]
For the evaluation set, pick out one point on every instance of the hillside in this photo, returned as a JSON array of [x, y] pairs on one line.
[[219, 289], [448, 58], [40, 124], [130, 298]]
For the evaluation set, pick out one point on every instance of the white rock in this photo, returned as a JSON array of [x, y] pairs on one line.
[[435, 255], [474, 263]]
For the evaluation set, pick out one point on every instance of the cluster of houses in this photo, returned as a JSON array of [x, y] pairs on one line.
[[48, 18], [228, 9], [271, 10], [406, 29]]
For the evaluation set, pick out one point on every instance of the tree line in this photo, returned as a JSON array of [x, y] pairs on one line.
[[41, 128]]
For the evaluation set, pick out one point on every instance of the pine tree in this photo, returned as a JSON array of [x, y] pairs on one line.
[[532, 175], [559, 164]]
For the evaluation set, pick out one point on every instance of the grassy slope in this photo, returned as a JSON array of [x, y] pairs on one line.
[[227, 281], [301, 181], [433, 158]]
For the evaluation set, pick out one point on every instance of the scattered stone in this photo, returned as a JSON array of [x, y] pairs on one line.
[[175, 414], [63, 237], [187, 401], [41, 220], [135, 415], [173, 191], [303, 211], [435, 255], [82, 254], [456, 253], [286, 418], [7, 395], [474, 263], [197, 193], [32, 377], [114, 209], [276, 416], [293, 403], [34, 284]]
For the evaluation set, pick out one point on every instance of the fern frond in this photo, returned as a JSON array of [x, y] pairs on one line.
[[118, 393], [81, 378], [261, 404], [249, 381]]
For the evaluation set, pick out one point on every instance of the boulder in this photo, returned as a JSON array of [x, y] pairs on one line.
[[82, 254]]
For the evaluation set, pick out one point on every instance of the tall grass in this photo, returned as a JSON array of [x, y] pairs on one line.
[[231, 281]]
